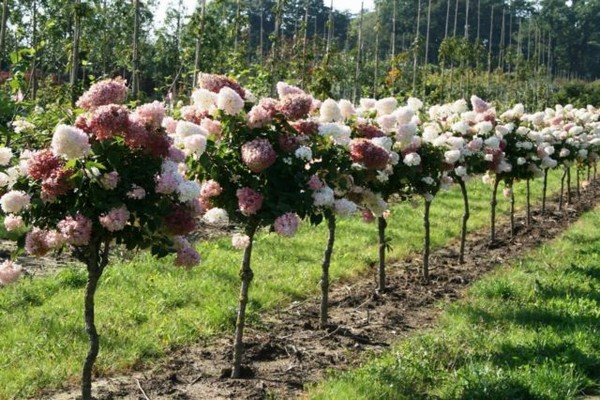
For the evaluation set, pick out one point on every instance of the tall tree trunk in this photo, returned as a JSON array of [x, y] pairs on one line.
[[416, 49], [3, 24], [73, 77], [357, 92], [202, 5], [427, 33], [246, 275], [562, 189], [236, 37], [381, 225], [376, 71], [95, 266], [544, 190], [34, 81], [528, 202], [493, 205], [569, 198], [325, 271], [135, 62], [512, 212], [465, 219], [577, 182], [426, 241], [489, 66]]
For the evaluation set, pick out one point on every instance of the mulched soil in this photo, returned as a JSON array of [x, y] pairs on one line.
[[288, 350]]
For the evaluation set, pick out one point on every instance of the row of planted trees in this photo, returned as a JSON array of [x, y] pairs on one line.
[[141, 178]]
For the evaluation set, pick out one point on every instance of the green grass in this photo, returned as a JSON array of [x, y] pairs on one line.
[[527, 331], [147, 307]]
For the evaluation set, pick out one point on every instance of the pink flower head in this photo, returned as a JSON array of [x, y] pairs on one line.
[[167, 183], [295, 107], [270, 105], [110, 180], [288, 143], [13, 222], [9, 272], [211, 126], [187, 257], [196, 208], [151, 114], [170, 124], [283, 90], [249, 201], [76, 231], [258, 117], [158, 145], [15, 201], [42, 164], [369, 131], [368, 216], [240, 241], [368, 154], [479, 106], [210, 188], [176, 155], [108, 91], [258, 155], [215, 83], [35, 242], [315, 183], [115, 219], [180, 221], [287, 224], [306, 127], [57, 184], [136, 136], [193, 114], [108, 121], [136, 192]]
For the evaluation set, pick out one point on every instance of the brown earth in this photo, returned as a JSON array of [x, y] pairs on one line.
[[288, 351]]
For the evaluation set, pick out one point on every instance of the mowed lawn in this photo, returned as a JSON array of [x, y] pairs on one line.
[[147, 307], [527, 331]]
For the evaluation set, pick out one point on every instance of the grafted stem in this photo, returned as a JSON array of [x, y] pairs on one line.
[[465, 219], [426, 242], [544, 191], [381, 226], [493, 204], [324, 315], [528, 196]]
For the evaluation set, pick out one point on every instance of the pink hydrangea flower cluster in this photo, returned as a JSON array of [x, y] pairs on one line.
[[249, 201], [13, 222], [215, 83], [115, 219], [110, 180], [295, 107], [15, 201], [151, 114], [108, 121], [287, 224], [108, 91], [77, 230], [136, 193], [180, 221], [240, 241], [315, 183], [187, 257], [36, 242], [9, 272], [367, 153], [258, 155]]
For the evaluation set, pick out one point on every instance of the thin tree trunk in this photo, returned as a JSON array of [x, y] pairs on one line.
[[376, 72], [3, 32], [578, 191], [135, 73], [562, 189], [246, 275], [493, 204], [426, 241], [544, 190], [381, 225], [569, 198], [34, 82], [528, 202], [427, 33], [359, 45], [512, 212], [325, 271], [416, 50], [465, 219], [202, 4], [95, 267], [75, 51]]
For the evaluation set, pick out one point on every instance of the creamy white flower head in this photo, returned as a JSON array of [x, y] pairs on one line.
[[240, 241], [548, 162], [488, 157], [461, 127], [521, 161], [323, 197], [459, 106], [492, 142], [469, 116], [344, 207], [347, 108], [216, 216], [404, 115], [186, 128], [387, 123], [6, 155], [582, 154], [339, 133], [204, 99], [230, 101], [452, 156], [431, 132], [249, 96], [15, 201], [414, 103], [503, 167], [502, 130], [412, 159], [194, 144], [460, 171], [519, 110], [406, 132], [188, 190], [386, 106], [383, 141], [303, 153], [537, 119], [367, 104], [330, 111], [564, 152], [456, 142], [487, 179], [576, 130], [70, 142], [394, 158], [5, 180]]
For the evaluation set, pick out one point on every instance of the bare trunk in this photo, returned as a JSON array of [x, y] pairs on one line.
[[3, 31], [577, 182], [426, 241], [512, 212], [75, 51], [198, 49], [416, 49], [569, 197], [381, 225], [493, 204], [246, 275], [376, 72], [528, 202], [562, 189], [34, 82], [325, 272], [544, 191], [135, 73], [465, 219], [357, 93]]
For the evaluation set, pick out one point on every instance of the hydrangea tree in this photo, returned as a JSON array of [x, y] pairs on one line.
[[99, 185]]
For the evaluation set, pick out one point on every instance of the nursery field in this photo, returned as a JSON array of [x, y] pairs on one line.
[[147, 308]]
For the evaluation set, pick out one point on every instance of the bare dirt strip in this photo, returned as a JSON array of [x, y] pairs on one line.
[[288, 350]]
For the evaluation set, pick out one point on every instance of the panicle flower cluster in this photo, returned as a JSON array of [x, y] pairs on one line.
[[108, 91], [77, 231], [9, 272], [249, 201], [287, 224], [115, 219], [258, 155]]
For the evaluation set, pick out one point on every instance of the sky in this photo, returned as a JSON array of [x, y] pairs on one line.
[[350, 5]]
